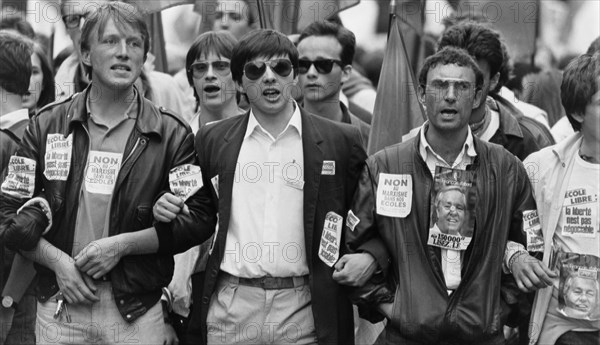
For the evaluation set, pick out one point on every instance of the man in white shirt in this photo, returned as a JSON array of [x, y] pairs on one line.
[[281, 180]]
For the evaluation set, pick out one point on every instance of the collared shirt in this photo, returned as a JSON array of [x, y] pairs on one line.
[[451, 259], [9, 120], [104, 162], [266, 229]]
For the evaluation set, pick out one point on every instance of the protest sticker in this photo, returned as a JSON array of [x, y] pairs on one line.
[[102, 172], [20, 180], [352, 220], [394, 195], [185, 180], [328, 168], [296, 184], [58, 156], [580, 213], [215, 184], [578, 286], [533, 230], [329, 249], [452, 209]]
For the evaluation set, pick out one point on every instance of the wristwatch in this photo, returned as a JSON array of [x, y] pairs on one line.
[[8, 302]]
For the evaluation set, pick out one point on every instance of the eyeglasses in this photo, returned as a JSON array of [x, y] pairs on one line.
[[444, 86], [255, 69], [73, 21], [200, 68], [323, 66]]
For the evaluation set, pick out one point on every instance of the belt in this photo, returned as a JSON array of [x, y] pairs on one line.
[[267, 283]]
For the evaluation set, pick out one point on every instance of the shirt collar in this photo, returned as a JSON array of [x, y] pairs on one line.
[[128, 113], [424, 146], [295, 122], [12, 118]]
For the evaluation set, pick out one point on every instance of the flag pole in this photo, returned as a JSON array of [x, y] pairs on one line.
[[261, 14], [537, 32], [392, 15]]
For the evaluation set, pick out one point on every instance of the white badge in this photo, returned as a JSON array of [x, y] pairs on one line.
[[394, 195], [185, 180], [215, 183], [20, 180], [58, 156], [297, 184], [533, 230], [102, 172], [329, 249], [352, 220], [328, 168], [580, 213]]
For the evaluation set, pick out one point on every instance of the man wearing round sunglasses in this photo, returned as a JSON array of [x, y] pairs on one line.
[[281, 180]]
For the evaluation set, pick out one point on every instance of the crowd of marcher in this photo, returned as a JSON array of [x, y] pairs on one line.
[[234, 202]]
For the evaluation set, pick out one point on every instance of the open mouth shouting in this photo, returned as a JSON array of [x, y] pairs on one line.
[[271, 94]]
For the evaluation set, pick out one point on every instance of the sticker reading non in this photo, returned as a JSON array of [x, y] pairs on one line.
[[58, 156], [20, 180], [329, 248], [185, 180], [394, 195], [102, 172]]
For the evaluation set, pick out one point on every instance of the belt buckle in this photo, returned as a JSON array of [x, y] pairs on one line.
[[264, 283]]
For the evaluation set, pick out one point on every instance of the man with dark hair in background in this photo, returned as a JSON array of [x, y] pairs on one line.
[[17, 313], [326, 51]]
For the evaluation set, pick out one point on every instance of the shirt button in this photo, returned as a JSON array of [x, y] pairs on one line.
[[121, 302], [205, 300], [128, 317]]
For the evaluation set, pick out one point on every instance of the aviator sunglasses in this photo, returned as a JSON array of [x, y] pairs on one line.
[[323, 66], [200, 68], [255, 69]]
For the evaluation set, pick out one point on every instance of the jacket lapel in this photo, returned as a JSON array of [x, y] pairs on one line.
[[228, 156], [313, 164]]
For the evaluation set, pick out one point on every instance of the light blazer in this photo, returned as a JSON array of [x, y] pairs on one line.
[[218, 146]]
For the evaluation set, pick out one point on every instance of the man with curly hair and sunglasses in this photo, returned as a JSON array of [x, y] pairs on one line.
[[282, 180]]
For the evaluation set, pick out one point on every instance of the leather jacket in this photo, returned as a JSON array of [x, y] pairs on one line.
[[158, 142], [423, 311]]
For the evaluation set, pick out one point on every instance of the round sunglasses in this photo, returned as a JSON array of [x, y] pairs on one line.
[[200, 68], [255, 69], [323, 66]]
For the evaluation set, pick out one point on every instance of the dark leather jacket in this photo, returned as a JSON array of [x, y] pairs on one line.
[[423, 311], [158, 142]]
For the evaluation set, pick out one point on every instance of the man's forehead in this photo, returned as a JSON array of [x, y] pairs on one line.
[[119, 28], [325, 46]]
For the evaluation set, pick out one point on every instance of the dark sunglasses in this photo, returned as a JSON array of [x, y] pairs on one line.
[[73, 21], [255, 69], [323, 66], [200, 68]]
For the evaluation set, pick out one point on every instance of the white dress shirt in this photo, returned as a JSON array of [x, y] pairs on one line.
[[266, 228]]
